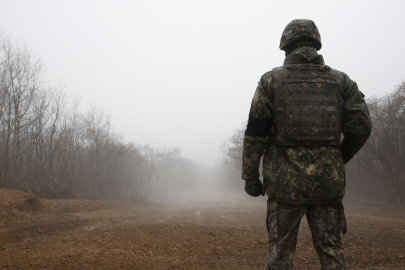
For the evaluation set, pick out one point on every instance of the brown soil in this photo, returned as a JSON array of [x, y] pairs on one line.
[[203, 233]]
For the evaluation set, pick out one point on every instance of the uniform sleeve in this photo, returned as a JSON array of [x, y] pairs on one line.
[[355, 119], [258, 128]]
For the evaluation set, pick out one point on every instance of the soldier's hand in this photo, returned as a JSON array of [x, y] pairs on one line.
[[254, 188]]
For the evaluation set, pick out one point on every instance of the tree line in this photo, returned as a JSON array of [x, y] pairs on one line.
[[53, 149], [377, 172]]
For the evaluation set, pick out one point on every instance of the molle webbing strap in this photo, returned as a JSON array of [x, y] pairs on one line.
[[309, 112], [307, 106], [313, 103], [312, 123]]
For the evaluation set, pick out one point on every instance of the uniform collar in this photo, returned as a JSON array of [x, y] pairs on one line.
[[303, 55]]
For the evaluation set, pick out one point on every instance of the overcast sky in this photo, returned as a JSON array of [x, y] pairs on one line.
[[183, 73]]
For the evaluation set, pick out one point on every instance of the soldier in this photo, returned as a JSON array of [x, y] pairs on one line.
[[296, 119]]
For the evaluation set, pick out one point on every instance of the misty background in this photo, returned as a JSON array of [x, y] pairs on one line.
[[124, 96]]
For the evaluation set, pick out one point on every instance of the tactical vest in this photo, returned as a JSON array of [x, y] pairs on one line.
[[307, 105]]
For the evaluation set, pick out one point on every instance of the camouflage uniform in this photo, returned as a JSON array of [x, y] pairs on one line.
[[303, 168]]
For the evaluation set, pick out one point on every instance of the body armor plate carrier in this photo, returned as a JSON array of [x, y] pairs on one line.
[[308, 105]]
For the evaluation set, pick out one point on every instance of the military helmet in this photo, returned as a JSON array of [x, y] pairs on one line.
[[300, 29]]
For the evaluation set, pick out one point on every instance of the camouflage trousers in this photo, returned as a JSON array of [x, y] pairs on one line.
[[327, 224]]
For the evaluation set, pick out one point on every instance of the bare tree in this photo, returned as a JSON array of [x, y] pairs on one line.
[[233, 148], [20, 84], [50, 148], [383, 156]]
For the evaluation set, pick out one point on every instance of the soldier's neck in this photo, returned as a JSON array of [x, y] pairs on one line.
[[307, 51], [304, 54]]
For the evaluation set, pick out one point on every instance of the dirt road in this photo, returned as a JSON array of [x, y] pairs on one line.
[[201, 233]]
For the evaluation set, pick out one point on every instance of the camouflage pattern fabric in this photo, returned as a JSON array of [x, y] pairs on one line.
[[298, 114], [327, 224], [302, 174], [298, 30]]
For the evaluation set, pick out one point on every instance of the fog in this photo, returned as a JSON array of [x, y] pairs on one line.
[[122, 122], [134, 99], [183, 73]]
